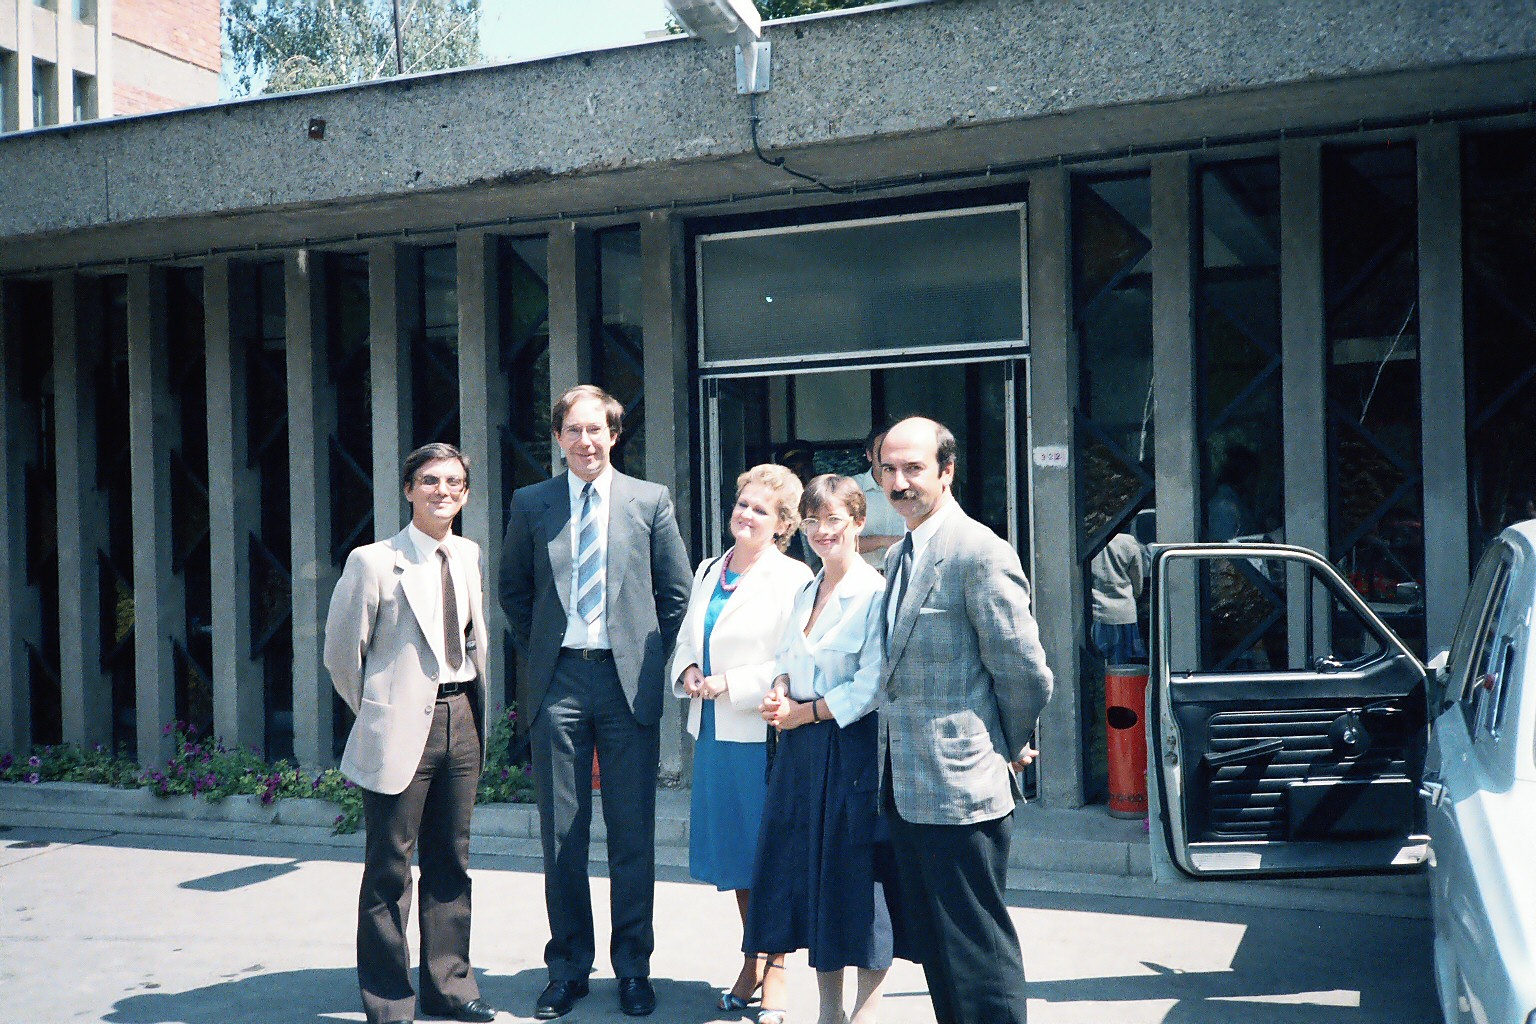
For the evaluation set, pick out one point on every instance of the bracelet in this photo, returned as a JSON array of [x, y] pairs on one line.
[[815, 715]]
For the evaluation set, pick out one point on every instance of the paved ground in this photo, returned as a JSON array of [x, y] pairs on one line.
[[133, 929]]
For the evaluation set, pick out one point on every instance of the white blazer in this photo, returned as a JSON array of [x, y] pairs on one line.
[[841, 659], [742, 644]]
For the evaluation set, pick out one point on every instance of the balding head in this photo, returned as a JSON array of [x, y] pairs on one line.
[[917, 468]]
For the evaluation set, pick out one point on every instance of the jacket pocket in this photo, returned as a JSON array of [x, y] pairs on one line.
[[370, 734]]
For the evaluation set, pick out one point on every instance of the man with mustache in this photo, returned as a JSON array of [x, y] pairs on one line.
[[964, 682]]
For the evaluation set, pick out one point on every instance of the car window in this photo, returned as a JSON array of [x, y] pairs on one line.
[[1264, 616], [1472, 629], [1489, 660]]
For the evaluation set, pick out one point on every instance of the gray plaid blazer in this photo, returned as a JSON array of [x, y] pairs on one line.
[[964, 680]]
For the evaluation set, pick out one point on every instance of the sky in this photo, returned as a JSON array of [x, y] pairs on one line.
[[519, 29]]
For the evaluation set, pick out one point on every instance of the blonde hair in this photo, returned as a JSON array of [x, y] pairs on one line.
[[786, 490]]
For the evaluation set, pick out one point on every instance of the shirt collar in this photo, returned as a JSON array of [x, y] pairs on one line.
[[425, 544], [602, 485], [923, 534]]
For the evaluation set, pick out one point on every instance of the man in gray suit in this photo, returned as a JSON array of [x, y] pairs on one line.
[[595, 581], [964, 682]]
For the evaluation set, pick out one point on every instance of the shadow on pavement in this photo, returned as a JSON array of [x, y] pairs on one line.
[[327, 995]]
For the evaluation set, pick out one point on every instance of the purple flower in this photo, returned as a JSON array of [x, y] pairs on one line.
[[337, 821], [34, 778], [348, 784], [34, 761], [191, 730], [6, 761], [170, 727], [505, 775]]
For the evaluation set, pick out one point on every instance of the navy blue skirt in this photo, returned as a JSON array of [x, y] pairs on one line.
[[824, 879]]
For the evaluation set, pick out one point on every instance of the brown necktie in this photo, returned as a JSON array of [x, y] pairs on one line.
[[453, 641]]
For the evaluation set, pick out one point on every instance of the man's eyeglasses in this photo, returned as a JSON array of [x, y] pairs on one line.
[[455, 484], [837, 524]]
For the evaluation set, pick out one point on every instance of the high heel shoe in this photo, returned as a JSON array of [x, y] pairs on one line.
[[730, 1002]]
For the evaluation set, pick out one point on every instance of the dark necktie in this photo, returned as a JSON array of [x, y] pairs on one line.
[[904, 572], [453, 639]]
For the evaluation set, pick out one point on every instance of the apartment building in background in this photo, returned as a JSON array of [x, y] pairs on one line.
[[63, 61]]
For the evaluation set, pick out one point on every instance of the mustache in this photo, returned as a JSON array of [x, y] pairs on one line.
[[903, 495]]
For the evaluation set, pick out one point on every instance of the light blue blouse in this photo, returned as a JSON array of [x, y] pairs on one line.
[[841, 660]]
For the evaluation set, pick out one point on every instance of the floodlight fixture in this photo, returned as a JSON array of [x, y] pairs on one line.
[[726, 23]]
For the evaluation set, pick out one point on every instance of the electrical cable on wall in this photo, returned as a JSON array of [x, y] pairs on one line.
[[779, 162]]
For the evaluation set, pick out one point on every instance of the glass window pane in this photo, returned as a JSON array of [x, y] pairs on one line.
[[618, 358], [1370, 274], [875, 286], [1112, 300], [1499, 286], [435, 352]]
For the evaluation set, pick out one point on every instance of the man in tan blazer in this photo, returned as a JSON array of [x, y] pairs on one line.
[[405, 646]]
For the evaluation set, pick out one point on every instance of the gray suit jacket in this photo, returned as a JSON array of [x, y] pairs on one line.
[[647, 587], [964, 680], [385, 665]]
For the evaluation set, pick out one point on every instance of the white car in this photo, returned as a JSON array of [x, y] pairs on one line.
[[1295, 734]]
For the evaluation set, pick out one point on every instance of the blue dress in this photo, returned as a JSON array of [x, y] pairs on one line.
[[729, 786]]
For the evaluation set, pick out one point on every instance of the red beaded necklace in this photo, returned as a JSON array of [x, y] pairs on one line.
[[729, 586]]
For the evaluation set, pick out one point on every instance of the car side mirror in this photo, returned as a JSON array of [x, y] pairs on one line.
[[1438, 674]]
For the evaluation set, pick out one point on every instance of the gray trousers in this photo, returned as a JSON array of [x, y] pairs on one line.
[[432, 814], [585, 709]]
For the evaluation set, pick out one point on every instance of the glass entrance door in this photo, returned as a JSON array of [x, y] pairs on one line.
[[818, 422]]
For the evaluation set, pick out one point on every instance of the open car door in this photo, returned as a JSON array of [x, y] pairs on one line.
[[1287, 722]]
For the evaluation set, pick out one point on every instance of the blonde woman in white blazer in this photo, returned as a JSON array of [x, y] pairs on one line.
[[724, 665], [823, 873]]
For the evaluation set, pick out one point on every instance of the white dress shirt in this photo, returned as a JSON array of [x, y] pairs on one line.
[[880, 519], [920, 540], [579, 633], [840, 660], [427, 547]]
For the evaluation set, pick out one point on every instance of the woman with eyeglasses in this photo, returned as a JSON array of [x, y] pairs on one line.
[[823, 865], [725, 664]]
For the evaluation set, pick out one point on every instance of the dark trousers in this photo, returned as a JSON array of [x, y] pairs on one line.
[[432, 813], [952, 882], [585, 709]]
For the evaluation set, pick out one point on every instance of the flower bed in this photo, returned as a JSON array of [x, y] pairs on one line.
[[206, 769]]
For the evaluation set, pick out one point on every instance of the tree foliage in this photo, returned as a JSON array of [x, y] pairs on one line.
[[282, 45], [771, 9]]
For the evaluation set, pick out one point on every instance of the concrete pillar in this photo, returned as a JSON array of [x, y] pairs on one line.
[[159, 609], [64, 67], [1304, 378], [25, 48], [1442, 373], [1176, 415], [573, 312], [105, 103], [85, 690], [22, 625], [483, 413], [668, 441], [1054, 387], [393, 298], [311, 421], [234, 496]]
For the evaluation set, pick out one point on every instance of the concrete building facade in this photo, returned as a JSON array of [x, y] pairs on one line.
[[66, 61], [1173, 268]]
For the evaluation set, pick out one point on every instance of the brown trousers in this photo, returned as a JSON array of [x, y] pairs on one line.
[[434, 813]]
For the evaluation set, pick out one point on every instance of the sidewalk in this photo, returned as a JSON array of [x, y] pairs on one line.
[[232, 923]]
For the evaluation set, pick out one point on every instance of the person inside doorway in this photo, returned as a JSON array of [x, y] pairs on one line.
[[882, 526]]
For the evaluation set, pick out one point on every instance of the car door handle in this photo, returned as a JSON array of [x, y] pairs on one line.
[[1252, 752], [1433, 790]]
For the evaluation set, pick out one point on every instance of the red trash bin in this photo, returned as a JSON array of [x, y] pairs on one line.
[[1125, 697]]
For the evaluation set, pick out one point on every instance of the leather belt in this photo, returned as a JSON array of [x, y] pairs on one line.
[[587, 654], [449, 689]]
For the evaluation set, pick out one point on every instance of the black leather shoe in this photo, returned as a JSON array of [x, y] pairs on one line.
[[636, 997], [476, 1011], [558, 998]]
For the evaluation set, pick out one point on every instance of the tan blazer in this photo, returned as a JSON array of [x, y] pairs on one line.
[[742, 644], [385, 665]]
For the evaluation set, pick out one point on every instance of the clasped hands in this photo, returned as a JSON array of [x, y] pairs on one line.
[[782, 711], [697, 684]]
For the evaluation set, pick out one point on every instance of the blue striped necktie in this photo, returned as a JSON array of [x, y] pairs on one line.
[[589, 558]]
